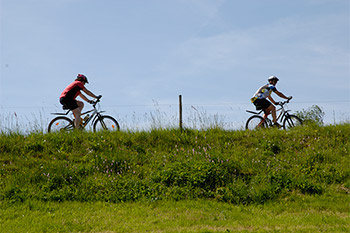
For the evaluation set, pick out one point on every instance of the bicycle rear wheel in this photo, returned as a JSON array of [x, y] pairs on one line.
[[106, 123], [60, 124], [291, 121], [255, 122]]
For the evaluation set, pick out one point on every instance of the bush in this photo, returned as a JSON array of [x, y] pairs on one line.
[[313, 114]]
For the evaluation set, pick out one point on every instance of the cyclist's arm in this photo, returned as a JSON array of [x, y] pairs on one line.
[[272, 100], [83, 97], [280, 94], [89, 93]]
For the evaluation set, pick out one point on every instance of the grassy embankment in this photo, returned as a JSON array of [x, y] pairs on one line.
[[218, 180]]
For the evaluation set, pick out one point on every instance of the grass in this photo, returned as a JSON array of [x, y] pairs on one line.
[[167, 180], [298, 213]]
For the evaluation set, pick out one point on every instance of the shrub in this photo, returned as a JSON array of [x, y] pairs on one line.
[[313, 114]]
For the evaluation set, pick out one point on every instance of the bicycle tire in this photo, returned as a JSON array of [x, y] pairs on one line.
[[60, 124], [106, 123], [254, 121], [291, 121]]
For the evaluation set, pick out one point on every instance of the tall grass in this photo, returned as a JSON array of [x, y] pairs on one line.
[[155, 118], [12, 122], [151, 118], [167, 164]]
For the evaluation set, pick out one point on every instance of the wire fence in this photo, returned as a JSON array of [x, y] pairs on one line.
[[134, 117]]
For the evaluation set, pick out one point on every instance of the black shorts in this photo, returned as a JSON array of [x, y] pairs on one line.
[[69, 103], [261, 104]]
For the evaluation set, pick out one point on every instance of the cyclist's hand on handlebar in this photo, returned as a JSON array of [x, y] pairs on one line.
[[277, 103], [99, 97], [91, 102], [289, 98]]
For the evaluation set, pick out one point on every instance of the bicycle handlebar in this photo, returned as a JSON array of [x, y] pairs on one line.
[[284, 102], [97, 100], [279, 103]]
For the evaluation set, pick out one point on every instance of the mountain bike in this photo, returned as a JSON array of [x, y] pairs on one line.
[[99, 122], [288, 120]]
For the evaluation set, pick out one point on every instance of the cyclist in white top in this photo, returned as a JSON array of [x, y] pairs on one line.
[[261, 103]]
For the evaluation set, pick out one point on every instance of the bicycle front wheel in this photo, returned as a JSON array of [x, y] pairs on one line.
[[106, 123], [291, 121], [60, 124], [255, 122]]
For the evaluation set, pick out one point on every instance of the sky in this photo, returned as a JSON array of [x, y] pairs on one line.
[[140, 55]]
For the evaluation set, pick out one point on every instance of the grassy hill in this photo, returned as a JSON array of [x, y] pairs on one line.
[[239, 167]]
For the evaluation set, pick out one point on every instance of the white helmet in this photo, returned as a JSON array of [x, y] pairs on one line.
[[272, 78]]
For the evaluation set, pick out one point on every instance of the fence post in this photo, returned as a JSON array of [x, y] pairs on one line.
[[180, 112]]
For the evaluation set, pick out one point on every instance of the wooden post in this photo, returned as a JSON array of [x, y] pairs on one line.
[[180, 111]]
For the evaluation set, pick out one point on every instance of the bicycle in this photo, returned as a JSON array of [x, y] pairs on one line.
[[288, 120], [98, 121]]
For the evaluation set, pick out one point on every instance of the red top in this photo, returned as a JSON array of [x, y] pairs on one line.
[[73, 90]]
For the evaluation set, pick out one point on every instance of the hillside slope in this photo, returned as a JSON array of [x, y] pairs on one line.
[[230, 166]]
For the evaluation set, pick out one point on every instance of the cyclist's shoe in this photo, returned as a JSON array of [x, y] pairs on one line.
[[276, 125]]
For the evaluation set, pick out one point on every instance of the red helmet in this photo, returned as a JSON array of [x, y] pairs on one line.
[[82, 77]]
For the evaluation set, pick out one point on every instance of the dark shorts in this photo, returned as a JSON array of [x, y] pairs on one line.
[[69, 103], [261, 104]]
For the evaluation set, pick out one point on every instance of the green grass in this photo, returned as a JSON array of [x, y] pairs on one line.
[[167, 180], [298, 213]]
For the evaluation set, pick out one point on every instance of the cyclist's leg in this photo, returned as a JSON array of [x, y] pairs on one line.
[[268, 108], [262, 104], [77, 113], [271, 109], [262, 121]]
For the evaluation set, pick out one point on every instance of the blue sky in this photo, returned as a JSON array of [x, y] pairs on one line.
[[142, 53]]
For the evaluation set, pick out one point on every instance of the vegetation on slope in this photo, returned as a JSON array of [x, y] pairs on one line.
[[230, 166]]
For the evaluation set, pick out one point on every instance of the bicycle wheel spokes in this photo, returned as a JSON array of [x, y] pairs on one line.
[[60, 124], [255, 122], [291, 121], [106, 123]]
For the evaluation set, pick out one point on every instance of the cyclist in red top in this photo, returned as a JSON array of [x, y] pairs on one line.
[[72, 91]]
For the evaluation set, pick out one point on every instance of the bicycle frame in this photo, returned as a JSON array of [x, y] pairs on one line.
[[96, 114], [95, 117], [281, 116], [283, 113]]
